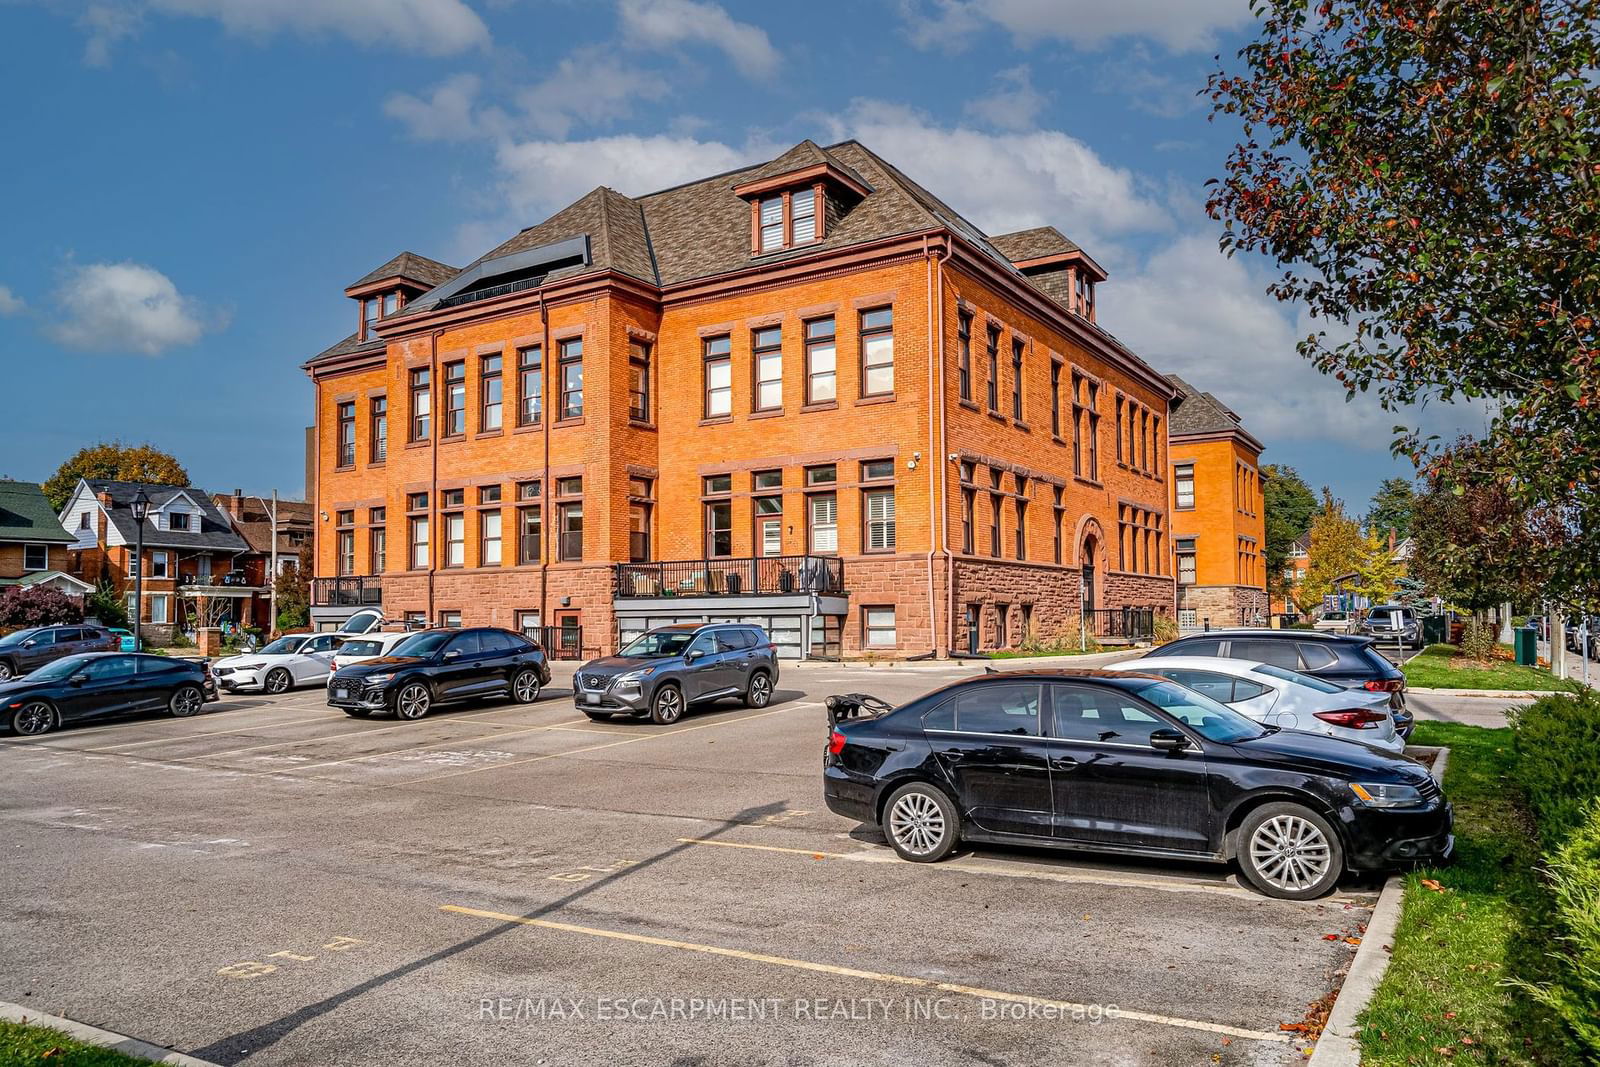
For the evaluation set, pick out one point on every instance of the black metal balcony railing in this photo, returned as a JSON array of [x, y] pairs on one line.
[[757, 576], [347, 592], [1136, 624], [228, 578]]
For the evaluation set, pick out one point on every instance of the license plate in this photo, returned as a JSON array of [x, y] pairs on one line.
[[341, 694], [591, 698]]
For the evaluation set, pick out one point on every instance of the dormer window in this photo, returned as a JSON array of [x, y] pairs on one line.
[[787, 219], [177, 521], [1085, 297], [797, 199]]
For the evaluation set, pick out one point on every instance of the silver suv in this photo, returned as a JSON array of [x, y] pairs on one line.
[[1393, 622], [661, 673]]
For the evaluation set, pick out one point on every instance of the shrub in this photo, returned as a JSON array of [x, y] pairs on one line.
[[1558, 761], [1574, 993], [36, 605], [1166, 629], [105, 605], [1477, 640]]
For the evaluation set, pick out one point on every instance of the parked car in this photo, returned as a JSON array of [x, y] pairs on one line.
[[1342, 659], [127, 642], [291, 660], [1133, 764], [1277, 696], [100, 684], [367, 646], [1392, 623], [27, 650], [662, 673], [1333, 622], [442, 667]]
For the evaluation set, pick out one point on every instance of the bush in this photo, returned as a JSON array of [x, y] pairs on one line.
[[1558, 761], [36, 605], [1477, 640], [1166, 629], [105, 605], [1574, 995]]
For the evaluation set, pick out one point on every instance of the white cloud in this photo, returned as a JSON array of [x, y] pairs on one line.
[[446, 114], [593, 85], [10, 303], [664, 23], [1189, 25], [125, 307], [1014, 104], [106, 24]]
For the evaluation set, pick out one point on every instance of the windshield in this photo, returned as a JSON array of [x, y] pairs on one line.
[[358, 648], [60, 669], [1284, 675], [659, 643], [283, 646], [16, 638], [1212, 721], [423, 644]]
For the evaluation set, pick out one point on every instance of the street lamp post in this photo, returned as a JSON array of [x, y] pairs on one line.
[[140, 508]]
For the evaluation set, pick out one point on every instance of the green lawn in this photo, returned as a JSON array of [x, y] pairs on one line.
[[1432, 670], [25, 1044], [1024, 653], [1449, 992]]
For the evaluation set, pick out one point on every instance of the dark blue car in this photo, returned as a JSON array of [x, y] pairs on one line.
[[104, 684]]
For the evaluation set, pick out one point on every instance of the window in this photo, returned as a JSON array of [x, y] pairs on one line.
[[158, 607], [569, 486], [178, 520], [1277, 653], [1055, 399], [488, 539], [159, 565], [570, 544], [877, 627], [455, 399], [347, 552], [767, 479], [378, 427], [877, 469], [803, 216], [528, 490], [877, 352], [1060, 523], [964, 354], [769, 525], [378, 549], [1016, 380], [1091, 403], [639, 508], [718, 358], [417, 502], [490, 393], [719, 528], [716, 483], [1001, 708], [453, 498], [771, 219], [451, 620], [528, 625], [877, 513], [993, 350], [1119, 429], [347, 433], [572, 378], [995, 503], [822, 384], [1186, 557], [767, 346], [35, 557], [1183, 485], [786, 219], [419, 543], [530, 386], [823, 525], [421, 403], [455, 539], [1022, 529], [969, 504], [83, 521], [369, 311], [1027, 623], [826, 474], [528, 535], [638, 381]]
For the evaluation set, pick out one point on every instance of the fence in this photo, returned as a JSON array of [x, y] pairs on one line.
[[748, 576]]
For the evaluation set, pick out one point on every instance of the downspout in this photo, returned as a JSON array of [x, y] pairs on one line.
[[936, 434], [434, 532], [546, 492]]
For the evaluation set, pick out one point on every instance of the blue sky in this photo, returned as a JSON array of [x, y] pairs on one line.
[[191, 183]]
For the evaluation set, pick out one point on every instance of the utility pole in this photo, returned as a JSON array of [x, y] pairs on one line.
[[272, 577]]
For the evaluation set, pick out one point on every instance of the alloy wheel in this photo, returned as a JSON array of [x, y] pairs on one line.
[[760, 691], [278, 681], [1290, 853], [413, 701], [917, 823], [33, 719], [669, 705], [525, 687], [187, 701], [5, 672]]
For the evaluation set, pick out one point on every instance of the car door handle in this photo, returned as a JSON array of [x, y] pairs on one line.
[[952, 754], [1062, 763]]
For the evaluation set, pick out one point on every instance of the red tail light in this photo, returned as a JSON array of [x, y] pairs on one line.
[[1355, 718], [1384, 685], [835, 742]]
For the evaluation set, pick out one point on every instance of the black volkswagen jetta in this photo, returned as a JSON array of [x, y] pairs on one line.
[[441, 667], [102, 684], [1132, 764]]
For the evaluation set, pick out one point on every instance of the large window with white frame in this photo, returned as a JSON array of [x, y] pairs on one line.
[[717, 356]]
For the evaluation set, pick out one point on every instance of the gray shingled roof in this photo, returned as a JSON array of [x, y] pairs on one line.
[[1194, 412], [216, 533], [805, 154], [409, 265], [351, 344], [26, 515], [1034, 244]]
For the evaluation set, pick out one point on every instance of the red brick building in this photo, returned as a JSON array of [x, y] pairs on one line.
[[806, 393]]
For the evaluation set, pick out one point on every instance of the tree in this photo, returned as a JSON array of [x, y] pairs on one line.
[[37, 605], [106, 605], [293, 585], [1290, 505], [1337, 549], [1426, 176], [1391, 509], [1377, 573], [113, 459]]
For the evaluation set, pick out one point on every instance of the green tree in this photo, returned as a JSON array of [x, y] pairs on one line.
[[1377, 573], [1290, 506], [113, 459], [1337, 549], [105, 604], [1426, 177], [1391, 509], [294, 592]]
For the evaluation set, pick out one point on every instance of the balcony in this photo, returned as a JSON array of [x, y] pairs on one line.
[[734, 577], [347, 592]]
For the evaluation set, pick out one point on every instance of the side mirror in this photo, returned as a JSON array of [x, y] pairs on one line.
[[692, 655], [77, 680], [29, 643], [454, 653], [1168, 740]]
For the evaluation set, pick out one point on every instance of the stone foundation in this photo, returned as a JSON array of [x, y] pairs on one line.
[[1224, 605]]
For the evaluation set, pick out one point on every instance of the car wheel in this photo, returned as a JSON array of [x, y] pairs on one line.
[[921, 823], [186, 701], [667, 706], [278, 681], [525, 687], [358, 713], [35, 718], [759, 695], [1290, 852], [7, 672], [413, 701]]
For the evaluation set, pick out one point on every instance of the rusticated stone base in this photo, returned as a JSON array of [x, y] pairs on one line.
[[1224, 605]]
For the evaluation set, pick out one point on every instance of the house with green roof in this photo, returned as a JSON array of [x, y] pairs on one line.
[[33, 543]]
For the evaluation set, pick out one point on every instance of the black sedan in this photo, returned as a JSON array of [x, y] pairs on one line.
[[102, 684], [1133, 764], [442, 667]]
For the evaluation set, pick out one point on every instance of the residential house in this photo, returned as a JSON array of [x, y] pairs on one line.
[[252, 519], [33, 544], [1218, 513], [806, 393]]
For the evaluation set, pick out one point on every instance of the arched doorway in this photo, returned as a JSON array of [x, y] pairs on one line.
[[1086, 586]]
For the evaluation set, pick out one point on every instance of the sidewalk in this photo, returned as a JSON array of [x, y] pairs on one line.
[[93, 1035], [1086, 661]]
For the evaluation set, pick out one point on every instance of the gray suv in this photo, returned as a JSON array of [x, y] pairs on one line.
[[662, 672]]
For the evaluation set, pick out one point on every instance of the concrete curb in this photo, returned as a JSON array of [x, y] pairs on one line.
[[93, 1035], [1511, 694], [1340, 1045]]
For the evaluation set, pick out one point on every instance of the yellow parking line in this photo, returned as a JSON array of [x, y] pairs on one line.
[[613, 744], [872, 976]]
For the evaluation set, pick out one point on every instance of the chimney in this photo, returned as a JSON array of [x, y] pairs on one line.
[[105, 498], [236, 504], [1391, 539]]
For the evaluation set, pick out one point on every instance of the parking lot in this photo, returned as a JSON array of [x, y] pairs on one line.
[[273, 882]]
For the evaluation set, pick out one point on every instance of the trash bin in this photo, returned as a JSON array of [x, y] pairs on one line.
[[1527, 645], [1435, 629]]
